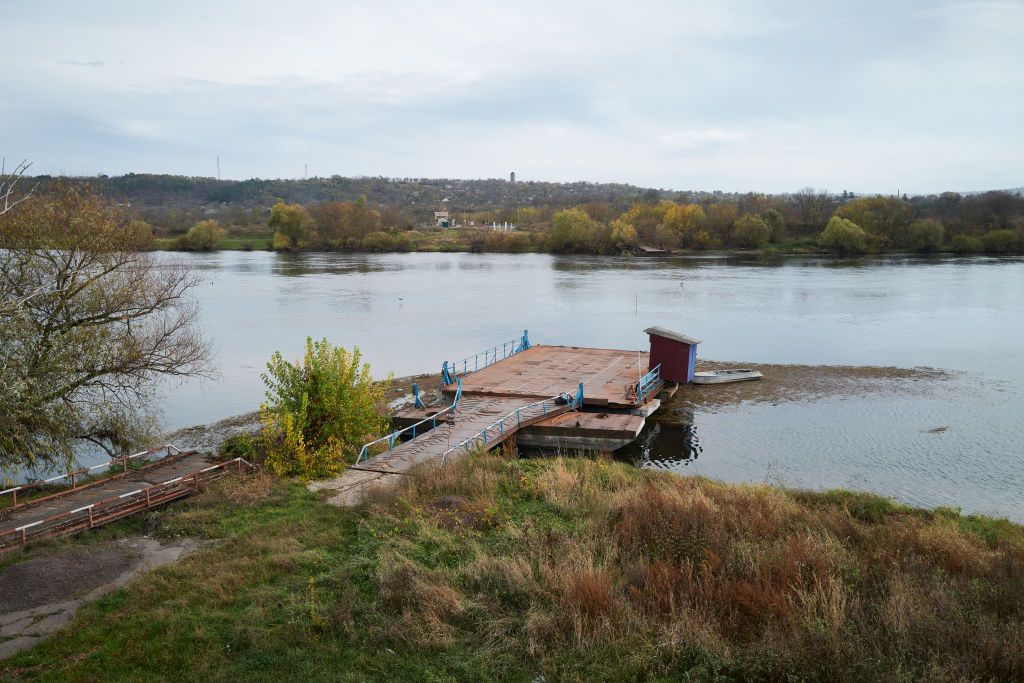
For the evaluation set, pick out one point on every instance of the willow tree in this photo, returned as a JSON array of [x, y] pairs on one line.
[[90, 327]]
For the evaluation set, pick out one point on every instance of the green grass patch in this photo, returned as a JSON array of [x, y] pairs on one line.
[[572, 568]]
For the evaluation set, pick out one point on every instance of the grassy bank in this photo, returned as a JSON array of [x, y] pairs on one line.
[[578, 569]]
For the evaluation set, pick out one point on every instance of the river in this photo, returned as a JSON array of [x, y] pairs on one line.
[[962, 446]]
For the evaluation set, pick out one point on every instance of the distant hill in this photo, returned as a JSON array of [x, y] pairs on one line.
[[429, 193]]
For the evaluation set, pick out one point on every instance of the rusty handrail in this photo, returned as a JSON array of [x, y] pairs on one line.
[[73, 475], [574, 402], [111, 508]]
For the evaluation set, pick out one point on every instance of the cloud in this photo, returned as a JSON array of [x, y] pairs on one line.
[[670, 93], [690, 139]]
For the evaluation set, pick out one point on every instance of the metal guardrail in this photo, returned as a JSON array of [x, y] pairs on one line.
[[114, 507], [452, 370], [648, 384], [395, 436], [574, 401], [86, 471]]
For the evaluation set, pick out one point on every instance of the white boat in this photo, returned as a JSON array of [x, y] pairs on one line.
[[723, 376]]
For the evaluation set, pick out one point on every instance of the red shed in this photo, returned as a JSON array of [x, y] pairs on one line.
[[676, 353]]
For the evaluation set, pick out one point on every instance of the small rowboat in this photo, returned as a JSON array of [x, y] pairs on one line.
[[723, 376]]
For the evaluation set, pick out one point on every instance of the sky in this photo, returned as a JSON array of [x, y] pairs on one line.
[[899, 95]]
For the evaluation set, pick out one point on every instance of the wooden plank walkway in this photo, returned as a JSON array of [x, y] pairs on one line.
[[474, 414], [68, 511]]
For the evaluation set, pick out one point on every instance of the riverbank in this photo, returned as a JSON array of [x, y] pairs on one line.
[[570, 569]]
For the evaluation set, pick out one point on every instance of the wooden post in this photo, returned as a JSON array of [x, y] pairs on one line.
[[15, 498], [147, 495]]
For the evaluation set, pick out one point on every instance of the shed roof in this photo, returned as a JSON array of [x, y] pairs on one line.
[[669, 334]]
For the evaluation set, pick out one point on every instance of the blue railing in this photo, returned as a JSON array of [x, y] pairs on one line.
[[648, 384], [395, 436], [452, 370], [505, 423]]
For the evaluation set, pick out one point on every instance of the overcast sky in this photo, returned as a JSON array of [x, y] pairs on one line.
[[731, 95]]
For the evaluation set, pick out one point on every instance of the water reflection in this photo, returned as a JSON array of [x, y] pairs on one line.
[[665, 446]]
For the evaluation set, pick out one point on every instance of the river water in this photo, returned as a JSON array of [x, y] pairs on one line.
[[961, 445]]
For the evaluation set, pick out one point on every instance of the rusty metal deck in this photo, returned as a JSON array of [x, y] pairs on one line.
[[546, 370], [105, 500]]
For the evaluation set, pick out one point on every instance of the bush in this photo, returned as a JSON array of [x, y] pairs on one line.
[[379, 241], [572, 230], [204, 236], [925, 235], [967, 244], [844, 236], [776, 223], [1001, 242], [750, 231], [318, 410]]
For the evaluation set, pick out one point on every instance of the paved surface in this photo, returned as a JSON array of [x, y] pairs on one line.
[[155, 474], [474, 414], [41, 594], [543, 371]]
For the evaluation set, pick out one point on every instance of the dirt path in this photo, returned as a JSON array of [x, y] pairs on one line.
[[40, 594]]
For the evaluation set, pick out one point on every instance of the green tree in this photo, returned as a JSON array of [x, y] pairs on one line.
[[685, 220], [887, 218], [967, 244], [292, 225], [777, 222], [572, 231], [1001, 242], [623, 236], [91, 325], [925, 235], [844, 236], [750, 231], [319, 410], [204, 236], [141, 233]]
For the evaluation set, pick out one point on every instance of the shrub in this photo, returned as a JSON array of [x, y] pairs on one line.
[[623, 236], [750, 231], [925, 235], [665, 237], [967, 244], [777, 223], [317, 410], [1001, 242], [292, 225], [379, 241], [843, 236], [204, 236], [572, 230], [141, 233]]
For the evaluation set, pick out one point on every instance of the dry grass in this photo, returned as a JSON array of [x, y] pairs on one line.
[[750, 582], [499, 568]]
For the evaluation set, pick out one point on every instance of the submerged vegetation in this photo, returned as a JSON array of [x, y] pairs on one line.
[[574, 569]]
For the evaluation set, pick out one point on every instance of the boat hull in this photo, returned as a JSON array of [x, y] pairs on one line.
[[725, 376]]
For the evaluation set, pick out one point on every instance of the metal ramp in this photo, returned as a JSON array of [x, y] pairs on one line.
[[477, 422]]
